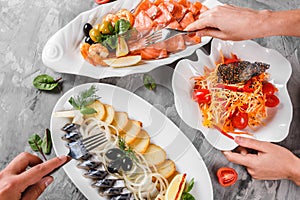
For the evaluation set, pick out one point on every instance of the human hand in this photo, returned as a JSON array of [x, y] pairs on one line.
[[229, 22], [272, 162], [17, 182]]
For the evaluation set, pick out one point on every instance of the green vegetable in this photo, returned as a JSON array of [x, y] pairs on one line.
[[149, 82], [45, 82], [121, 26], [47, 143], [110, 42], [84, 99], [38, 145], [126, 149], [186, 195]]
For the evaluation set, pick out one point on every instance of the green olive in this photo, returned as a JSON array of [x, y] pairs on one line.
[[106, 27], [94, 34]]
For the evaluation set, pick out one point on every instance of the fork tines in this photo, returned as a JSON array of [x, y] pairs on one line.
[[94, 141], [154, 37]]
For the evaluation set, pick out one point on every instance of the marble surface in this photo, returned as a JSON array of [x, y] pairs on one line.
[[26, 25]]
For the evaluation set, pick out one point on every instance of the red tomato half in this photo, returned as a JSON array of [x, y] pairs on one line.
[[271, 101], [240, 120], [201, 96], [101, 1], [227, 176], [269, 88]]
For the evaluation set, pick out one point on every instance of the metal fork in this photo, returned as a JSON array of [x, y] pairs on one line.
[[80, 148], [164, 34]]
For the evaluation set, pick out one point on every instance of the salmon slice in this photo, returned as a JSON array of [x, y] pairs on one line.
[[203, 8], [174, 25], [153, 12], [166, 17], [192, 39], [185, 3], [175, 44], [142, 20], [187, 19], [144, 5], [157, 2], [194, 9], [177, 10], [150, 53]]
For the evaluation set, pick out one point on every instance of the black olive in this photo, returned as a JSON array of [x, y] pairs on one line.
[[86, 29], [114, 153], [88, 40], [126, 163], [114, 166]]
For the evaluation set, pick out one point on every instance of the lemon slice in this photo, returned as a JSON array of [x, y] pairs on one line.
[[123, 61], [176, 187]]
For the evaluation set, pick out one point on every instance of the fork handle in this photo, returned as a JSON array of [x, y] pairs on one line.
[[182, 32]]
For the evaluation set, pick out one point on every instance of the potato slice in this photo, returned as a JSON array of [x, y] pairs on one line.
[[109, 114], [99, 107], [131, 131], [155, 155], [167, 168], [120, 121], [142, 142]]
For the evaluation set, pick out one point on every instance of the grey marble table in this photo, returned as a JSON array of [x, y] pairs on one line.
[[26, 25]]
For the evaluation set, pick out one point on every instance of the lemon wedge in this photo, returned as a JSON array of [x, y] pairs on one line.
[[176, 187], [123, 61], [122, 48]]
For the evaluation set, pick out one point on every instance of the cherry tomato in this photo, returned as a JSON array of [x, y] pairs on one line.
[[271, 101], [240, 120], [269, 88], [201, 96], [227, 176], [101, 1]]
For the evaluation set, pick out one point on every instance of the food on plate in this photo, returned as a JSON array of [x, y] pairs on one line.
[[127, 165], [234, 95], [227, 176], [123, 61], [119, 34]]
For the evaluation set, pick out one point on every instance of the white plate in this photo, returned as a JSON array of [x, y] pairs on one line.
[[163, 132], [61, 52], [279, 118]]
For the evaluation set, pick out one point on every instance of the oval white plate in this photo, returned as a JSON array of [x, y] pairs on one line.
[[279, 118], [163, 132], [62, 54]]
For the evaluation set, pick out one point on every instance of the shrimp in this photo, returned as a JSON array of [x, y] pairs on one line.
[[97, 52], [125, 14], [110, 18], [84, 48]]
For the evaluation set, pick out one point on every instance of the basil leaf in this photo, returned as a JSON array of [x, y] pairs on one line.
[[187, 196], [87, 111], [190, 185], [35, 142], [149, 82], [121, 26], [45, 82], [47, 143]]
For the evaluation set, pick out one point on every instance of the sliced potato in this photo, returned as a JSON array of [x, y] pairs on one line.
[[120, 121], [99, 107], [142, 142], [167, 168], [131, 131], [155, 155], [109, 114]]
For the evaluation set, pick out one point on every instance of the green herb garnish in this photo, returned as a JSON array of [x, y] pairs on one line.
[[127, 150], [83, 100], [149, 82], [42, 146], [45, 82], [186, 195]]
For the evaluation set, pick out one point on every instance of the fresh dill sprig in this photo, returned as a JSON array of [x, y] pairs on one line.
[[127, 150], [84, 99]]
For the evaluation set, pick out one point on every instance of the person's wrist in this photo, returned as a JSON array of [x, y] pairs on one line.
[[265, 23], [294, 171]]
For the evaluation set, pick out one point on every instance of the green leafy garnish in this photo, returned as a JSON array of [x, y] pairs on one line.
[[127, 150], [45, 82], [186, 195], [149, 82], [83, 100], [122, 26], [42, 146]]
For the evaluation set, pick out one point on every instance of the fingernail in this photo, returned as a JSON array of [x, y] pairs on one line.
[[226, 153], [48, 181], [62, 157]]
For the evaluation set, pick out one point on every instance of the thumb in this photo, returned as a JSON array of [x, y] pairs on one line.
[[34, 191]]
